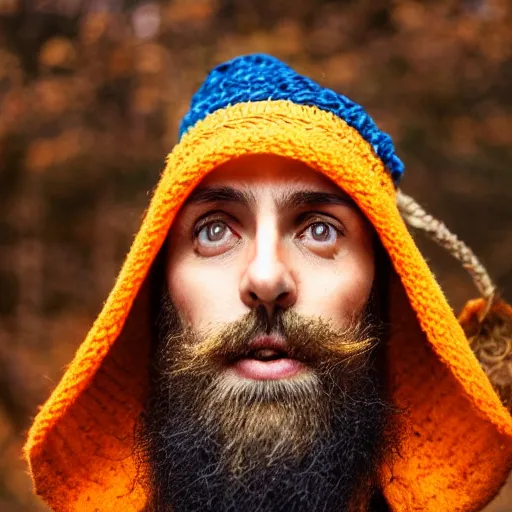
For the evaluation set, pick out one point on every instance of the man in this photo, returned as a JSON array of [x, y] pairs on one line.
[[275, 341]]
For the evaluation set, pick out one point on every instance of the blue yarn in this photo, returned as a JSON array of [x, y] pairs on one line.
[[260, 77]]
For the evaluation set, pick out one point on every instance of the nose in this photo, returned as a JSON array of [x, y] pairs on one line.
[[267, 279]]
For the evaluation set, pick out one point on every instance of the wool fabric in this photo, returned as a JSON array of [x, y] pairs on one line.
[[261, 77], [456, 450]]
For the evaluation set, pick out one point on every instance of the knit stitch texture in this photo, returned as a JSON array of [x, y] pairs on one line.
[[457, 448], [260, 77]]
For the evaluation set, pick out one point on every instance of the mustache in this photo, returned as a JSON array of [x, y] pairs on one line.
[[251, 445], [312, 340]]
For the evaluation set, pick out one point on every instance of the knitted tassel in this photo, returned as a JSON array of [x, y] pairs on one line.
[[487, 322]]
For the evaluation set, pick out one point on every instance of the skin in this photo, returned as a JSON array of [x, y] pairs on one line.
[[267, 253]]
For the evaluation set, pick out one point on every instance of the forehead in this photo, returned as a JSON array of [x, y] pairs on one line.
[[269, 172]]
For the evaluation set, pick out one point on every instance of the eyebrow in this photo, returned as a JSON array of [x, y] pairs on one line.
[[289, 200]]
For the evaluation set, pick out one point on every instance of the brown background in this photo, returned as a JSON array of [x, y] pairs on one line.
[[91, 93]]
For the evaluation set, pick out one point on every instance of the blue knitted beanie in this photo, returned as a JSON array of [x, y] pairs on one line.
[[260, 77]]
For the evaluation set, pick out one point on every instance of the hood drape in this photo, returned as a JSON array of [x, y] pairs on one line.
[[456, 451]]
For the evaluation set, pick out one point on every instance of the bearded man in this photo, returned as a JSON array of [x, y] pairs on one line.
[[274, 341]]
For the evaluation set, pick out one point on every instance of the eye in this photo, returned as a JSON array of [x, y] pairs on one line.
[[213, 232], [322, 238], [321, 232], [213, 238]]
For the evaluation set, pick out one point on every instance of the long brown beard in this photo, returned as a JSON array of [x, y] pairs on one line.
[[217, 442]]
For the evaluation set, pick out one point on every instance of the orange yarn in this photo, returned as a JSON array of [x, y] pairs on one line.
[[457, 450]]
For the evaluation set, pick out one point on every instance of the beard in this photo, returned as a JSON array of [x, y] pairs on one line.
[[212, 441]]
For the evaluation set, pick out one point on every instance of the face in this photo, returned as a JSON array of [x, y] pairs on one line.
[[267, 339], [264, 230]]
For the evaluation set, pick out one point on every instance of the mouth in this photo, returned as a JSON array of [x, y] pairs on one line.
[[267, 359]]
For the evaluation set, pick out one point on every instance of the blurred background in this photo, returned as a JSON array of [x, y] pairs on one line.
[[91, 94]]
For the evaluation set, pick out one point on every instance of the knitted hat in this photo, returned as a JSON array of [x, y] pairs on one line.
[[457, 446]]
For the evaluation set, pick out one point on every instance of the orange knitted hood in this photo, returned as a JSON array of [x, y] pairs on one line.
[[456, 451]]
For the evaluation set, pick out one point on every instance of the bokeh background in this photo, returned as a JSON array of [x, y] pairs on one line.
[[91, 94]]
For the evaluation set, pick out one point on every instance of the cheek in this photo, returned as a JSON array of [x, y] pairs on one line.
[[338, 291], [204, 295]]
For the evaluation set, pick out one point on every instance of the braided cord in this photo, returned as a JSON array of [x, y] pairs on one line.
[[417, 217]]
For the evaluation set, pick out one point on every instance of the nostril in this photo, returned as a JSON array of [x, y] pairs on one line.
[[282, 296]]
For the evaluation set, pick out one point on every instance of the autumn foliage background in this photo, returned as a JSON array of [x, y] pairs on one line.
[[91, 94]]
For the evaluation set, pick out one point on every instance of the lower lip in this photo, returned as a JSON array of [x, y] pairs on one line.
[[268, 370]]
